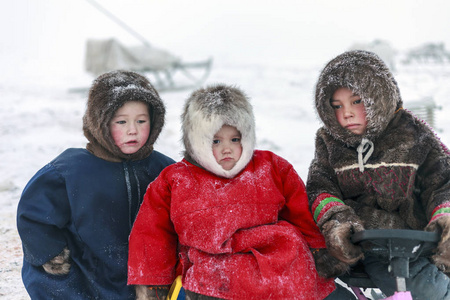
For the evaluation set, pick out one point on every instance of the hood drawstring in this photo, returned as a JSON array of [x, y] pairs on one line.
[[131, 215], [365, 145]]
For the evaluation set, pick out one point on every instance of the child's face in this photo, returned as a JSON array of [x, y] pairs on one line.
[[130, 126], [227, 148], [349, 110]]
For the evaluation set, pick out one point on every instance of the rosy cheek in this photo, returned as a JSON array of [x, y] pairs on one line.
[[115, 133]]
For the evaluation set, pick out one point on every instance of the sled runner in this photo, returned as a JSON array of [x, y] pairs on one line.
[[165, 70], [397, 246]]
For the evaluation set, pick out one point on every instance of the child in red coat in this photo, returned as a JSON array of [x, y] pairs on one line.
[[233, 219]]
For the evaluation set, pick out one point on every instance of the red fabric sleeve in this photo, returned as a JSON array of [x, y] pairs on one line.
[[153, 241], [296, 210]]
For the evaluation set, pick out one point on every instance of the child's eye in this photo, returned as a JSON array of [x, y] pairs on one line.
[[120, 122], [336, 106], [236, 140], [141, 121], [216, 142], [357, 101]]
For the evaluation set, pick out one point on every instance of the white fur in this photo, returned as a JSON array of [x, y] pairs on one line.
[[200, 128]]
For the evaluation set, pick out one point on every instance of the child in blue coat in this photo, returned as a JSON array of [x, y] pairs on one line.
[[75, 215]]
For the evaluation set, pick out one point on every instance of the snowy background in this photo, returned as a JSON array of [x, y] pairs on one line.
[[274, 50]]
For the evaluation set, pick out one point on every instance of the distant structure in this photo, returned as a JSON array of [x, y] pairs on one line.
[[380, 47], [428, 53]]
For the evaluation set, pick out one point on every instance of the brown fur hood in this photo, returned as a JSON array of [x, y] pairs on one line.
[[108, 93], [366, 75]]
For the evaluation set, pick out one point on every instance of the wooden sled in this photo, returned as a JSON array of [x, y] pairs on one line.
[[165, 71]]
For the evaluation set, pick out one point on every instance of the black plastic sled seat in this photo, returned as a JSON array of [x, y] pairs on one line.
[[398, 246]]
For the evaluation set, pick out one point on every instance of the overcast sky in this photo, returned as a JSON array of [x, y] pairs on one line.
[[53, 33]]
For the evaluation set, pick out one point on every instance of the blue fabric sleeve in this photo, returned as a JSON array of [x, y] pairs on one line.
[[42, 214]]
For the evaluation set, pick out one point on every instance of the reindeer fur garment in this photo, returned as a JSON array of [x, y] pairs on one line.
[[108, 93], [407, 175]]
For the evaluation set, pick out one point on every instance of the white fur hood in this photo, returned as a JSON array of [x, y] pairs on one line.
[[205, 112]]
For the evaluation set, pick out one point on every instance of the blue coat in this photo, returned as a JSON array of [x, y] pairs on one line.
[[87, 204]]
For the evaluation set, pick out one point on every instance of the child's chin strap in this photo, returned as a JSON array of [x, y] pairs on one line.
[[365, 145]]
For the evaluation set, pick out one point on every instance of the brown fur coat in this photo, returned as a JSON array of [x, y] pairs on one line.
[[408, 174]]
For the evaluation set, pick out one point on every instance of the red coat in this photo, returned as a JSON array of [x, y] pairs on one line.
[[245, 237]]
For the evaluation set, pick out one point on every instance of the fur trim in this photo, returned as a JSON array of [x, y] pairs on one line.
[[368, 76], [205, 112], [60, 264], [108, 93]]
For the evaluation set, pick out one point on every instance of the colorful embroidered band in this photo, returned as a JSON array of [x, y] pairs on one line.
[[323, 203], [440, 210]]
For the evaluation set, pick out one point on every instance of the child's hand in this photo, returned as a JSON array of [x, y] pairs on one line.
[[328, 266], [59, 265], [442, 257], [143, 292], [338, 231]]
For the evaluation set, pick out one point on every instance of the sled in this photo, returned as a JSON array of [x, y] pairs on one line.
[[399, 247], [425, 109], [164, 70]]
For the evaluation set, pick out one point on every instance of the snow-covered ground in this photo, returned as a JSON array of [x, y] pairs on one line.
[[40, 118]]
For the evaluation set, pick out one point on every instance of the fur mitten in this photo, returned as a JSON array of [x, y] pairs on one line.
[[58, 265], [328, 266], [338, 230], [441, 258], [143, 292]]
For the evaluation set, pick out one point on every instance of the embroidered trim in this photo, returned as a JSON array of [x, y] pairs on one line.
[[315, 251], [374, 166], [323, 203], [438, 216], [439, 210], [158, 287]]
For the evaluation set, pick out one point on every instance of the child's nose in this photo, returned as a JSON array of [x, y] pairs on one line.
[[348, 113], [131, 129], [226, 149]]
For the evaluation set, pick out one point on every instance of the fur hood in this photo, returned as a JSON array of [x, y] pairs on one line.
[[205, 112], [368, 76], [108, 93]]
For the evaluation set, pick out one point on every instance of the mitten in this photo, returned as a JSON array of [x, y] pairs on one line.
[[338, 230], [328, 266], [58, 265], [441, 258], [145, 292]]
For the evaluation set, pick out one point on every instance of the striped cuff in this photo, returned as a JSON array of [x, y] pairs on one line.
[[323, 203], [440, 210]]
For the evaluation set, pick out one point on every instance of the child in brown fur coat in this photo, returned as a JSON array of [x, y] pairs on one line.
[[376, 166]]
